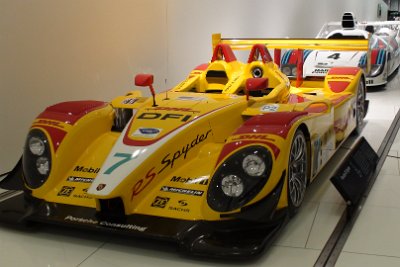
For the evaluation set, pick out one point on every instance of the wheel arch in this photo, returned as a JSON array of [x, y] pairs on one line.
[[303, 127]]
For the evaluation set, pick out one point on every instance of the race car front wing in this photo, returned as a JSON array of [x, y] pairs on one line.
[[233, 237]]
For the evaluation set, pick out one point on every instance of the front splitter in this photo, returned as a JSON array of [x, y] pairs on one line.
[[228, 239]]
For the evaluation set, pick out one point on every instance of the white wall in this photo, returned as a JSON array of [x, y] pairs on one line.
[[58, 50]]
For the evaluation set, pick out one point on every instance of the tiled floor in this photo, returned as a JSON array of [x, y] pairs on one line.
[[374, 240]]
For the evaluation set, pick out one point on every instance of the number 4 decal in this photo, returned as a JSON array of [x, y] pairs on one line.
[[125, 158], [334, 56]]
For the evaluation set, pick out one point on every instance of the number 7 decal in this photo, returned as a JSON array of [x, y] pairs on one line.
[[125, 158]]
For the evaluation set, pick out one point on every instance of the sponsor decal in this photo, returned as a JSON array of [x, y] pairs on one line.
[[182, 203], [86, 169], [190, 98], [169, 159], [129, 101], [50, 123], [232, 82], [143, 183], [160, 202], [251, 137], [82, 195], [66, 191], [77, 179], [133, 227], [179, 209], [160, 116], [184, 191], [146, 132], [338, 78], [320, 71], [175, 109], [201, 180], [270, 108], [100, 187]]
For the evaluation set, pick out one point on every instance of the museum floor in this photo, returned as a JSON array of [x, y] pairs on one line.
[[373, 241]]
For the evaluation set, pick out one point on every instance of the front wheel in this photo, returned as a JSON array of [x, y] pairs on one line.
[[297, 172]]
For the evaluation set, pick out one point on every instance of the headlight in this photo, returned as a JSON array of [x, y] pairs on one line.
[[253, 165], [43, 165], [239, 178], [289, 70], [232, 185], [294, 71], [376, 70], [36, 159], [36, 146]]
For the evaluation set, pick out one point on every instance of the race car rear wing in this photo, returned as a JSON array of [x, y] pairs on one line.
[[298, 44]]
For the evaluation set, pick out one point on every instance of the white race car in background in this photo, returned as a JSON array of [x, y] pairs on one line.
[[384, 39]]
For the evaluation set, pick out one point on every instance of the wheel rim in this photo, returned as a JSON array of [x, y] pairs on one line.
[[298, 170], [360, 105]]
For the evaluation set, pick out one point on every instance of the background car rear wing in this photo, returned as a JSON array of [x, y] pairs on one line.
[[298, 44]]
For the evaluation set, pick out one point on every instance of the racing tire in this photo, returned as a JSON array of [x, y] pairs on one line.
[[297, 172], [360, 107]]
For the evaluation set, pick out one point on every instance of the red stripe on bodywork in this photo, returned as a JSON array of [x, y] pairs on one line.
[[316, 108], [340, 99], [278, 123], [56, 135], [338, 86], [374, 55], [202, 66], [293, 57], [344, 71], [277, 56], [297, 99], [70, 112]]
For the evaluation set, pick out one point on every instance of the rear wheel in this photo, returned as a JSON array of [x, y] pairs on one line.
[[360, 107], [297, 172]]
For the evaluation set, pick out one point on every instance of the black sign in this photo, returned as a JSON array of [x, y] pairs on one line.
[[351, 179]]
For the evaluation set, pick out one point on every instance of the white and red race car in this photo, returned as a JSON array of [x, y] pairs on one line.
[[384, 39]]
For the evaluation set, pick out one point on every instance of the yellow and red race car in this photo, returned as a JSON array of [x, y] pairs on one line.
[[217, 164]]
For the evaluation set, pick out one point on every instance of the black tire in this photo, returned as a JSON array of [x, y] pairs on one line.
[[297, 172], [360, 107]]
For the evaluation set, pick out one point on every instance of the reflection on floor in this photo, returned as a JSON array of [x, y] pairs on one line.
[[373, 241]]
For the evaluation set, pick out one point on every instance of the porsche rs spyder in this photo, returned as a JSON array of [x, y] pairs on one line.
[[217, 164], [384, 38]]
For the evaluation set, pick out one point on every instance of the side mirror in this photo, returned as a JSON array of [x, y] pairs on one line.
[[144, 79], [255, 84]]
